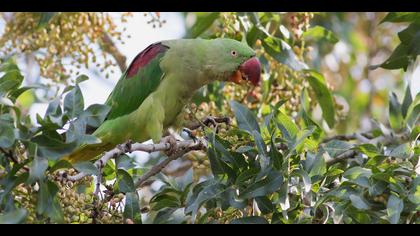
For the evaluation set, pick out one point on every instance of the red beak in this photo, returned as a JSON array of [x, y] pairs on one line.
[[250, 70]]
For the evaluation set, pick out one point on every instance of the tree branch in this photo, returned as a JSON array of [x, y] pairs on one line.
[[342, 157], [182, 148], [109, 47]]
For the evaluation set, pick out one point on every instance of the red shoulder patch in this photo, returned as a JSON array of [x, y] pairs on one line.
[[144, 57]]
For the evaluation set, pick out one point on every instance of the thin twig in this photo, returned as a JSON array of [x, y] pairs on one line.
[[209, 120], [13, 158], [157, 168], [109, 47], [344, 156], [347, 137]]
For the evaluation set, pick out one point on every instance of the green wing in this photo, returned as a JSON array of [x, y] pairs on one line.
[[142, 77]]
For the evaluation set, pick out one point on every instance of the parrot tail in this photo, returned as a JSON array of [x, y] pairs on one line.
[[87, 152]]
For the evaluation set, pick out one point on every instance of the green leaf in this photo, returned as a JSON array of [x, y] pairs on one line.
[[377, 187], [7, 135], [125, 162], [397, 17], [359, 202], [283, 53], [318, 33], [319, 167], [76, 131], [61, 164], [288, 128], [11, 80], [262, 149], [244, 117], [413, 112], [414, 135], [414, 197], [17, 92], [47, 202], [165, 216], [408, 34], [406, 102], [305, 179], [253, 17], [45, 18], [38, 168], [300, 140], [357, 171], [203, 23], [283, 199], [73, 102], [125, 183], [132, 207], [244, 149], [250, 220], [81, 78], [398, 59], [216, 164], [307, 120], [86, 167], [164, 201], [252, 36], [213, 190], [275, 156], [394, 208], [9, 65], [395, 116], [323, 95], [264, 204], [95, 114], [337, 147], [53, 108], [267, 185], [402, 151], [51, 146], [14, 217], [368, 149]]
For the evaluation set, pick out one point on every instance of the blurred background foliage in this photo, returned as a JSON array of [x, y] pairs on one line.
[[325, 75]]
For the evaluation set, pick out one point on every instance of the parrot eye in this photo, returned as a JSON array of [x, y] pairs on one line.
[[233, 53]]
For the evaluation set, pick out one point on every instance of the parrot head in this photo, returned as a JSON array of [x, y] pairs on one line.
[[235, 61]]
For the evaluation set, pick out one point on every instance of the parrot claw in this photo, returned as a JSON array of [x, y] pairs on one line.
[[190, 134], [126, 147], [173, 144]]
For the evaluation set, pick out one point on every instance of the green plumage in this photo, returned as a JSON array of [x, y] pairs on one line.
[[147, 103]]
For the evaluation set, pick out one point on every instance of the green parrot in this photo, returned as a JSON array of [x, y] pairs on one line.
[[150, 96]]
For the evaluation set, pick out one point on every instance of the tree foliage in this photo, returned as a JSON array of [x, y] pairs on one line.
[[284, 158]]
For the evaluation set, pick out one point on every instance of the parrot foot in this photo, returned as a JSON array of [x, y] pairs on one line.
[[173, 144], [190, 134], [126, 147]]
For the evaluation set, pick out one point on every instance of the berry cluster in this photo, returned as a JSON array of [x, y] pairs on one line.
[[78, 203], [65, 36], [155, 19], [299, 23]]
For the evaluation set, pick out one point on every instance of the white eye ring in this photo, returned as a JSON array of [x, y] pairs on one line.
[[234, 53]]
